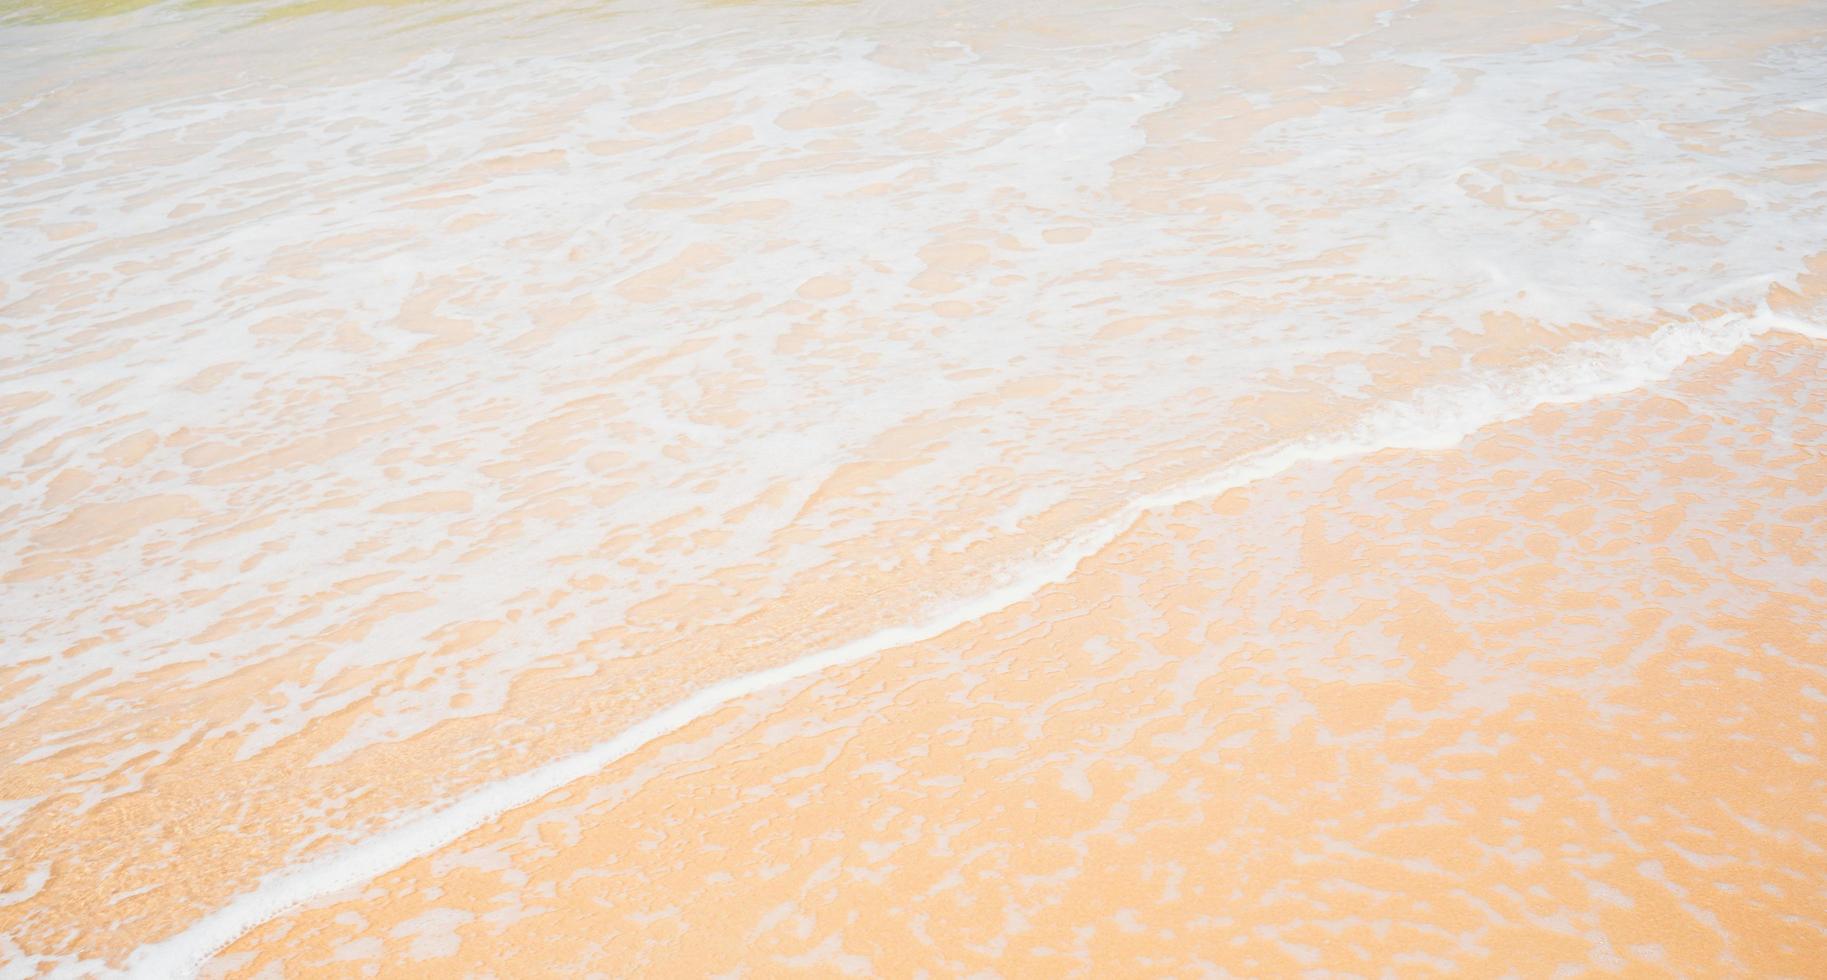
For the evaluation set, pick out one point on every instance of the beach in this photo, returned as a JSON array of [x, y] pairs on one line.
[[681, 489]]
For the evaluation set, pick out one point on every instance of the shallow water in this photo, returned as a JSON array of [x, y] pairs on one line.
[[410, 411]]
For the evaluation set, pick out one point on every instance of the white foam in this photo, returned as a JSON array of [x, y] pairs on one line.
[[285, 160], [1794, 325]]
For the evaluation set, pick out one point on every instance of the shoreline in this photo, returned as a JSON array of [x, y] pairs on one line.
[[183, 954]]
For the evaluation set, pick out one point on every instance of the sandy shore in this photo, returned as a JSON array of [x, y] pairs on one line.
[[1016, 487]]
